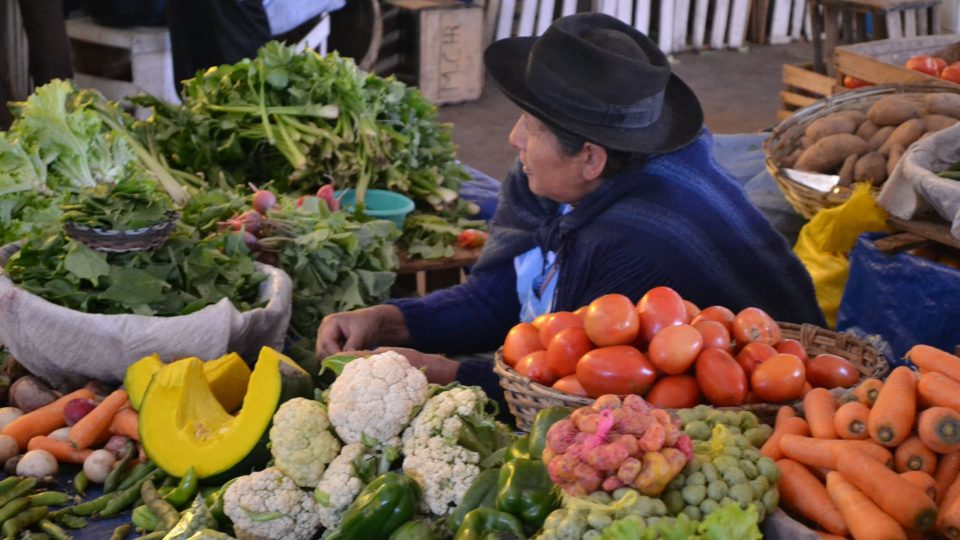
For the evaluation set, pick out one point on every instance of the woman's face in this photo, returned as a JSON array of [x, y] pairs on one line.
[[552, 173]]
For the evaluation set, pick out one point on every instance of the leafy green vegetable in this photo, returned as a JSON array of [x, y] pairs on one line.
[[431, 236], [729, 522], [130, 204]]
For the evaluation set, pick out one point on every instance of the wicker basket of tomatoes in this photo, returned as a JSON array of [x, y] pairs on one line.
[[676, 356]]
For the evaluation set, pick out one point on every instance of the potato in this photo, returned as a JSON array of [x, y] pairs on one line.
[[880, 137], [905, 135], [944, 103], [893, 111], [846, 170], [829, 125], [30, 393], [895, 154], [830, 152], [866, 130], [936, 122], [871, 167], [858, 117]]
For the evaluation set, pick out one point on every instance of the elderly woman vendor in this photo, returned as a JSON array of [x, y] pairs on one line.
[[615, 191]]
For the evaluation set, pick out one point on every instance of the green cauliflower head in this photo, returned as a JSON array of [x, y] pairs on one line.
[[301, 441]]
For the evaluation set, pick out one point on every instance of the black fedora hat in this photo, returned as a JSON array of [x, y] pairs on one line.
[[600, 78]]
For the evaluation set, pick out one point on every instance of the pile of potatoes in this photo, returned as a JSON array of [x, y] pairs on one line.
[[866, 147]]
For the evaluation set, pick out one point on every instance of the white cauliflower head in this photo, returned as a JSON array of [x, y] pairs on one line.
[[340, 485], [376, 396], [301, 441], [268, 505]]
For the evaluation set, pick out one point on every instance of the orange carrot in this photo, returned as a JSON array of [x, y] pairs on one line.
[[819, 408], [923, 481], [823, 452], [791, 426], [126, 423], [802, 493], [949, 520], [62, 450], [867, 391], [933, 359], [851, 421], [905, 502], [940, 390], [939, 429], [819, 472], [947, 470], [43, 420], [783, 413], [827, 536], [913, 455], [891, 418], [97, 422], [865, 519]]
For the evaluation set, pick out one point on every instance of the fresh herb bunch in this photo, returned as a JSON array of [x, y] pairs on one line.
[[182, 276], [431, 236], [130, 204]]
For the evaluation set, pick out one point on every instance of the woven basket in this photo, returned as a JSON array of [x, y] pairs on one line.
[[526, 398], [117, 241], [786, 137]]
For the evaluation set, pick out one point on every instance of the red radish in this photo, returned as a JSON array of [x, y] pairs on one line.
[[263, 200], [326, 193], [75, 409], [250, 240], [250, 221], [116, 445]]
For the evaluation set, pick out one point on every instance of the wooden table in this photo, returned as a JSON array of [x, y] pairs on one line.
[[915, 232], [461, 259]]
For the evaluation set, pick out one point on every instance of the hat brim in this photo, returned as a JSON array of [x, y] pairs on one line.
[[680, 120]]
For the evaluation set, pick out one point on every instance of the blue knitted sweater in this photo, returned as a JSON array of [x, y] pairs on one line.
[[678, 220]]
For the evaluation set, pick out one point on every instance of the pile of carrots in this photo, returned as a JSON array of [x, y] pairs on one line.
[[112, 416], [880, 463]]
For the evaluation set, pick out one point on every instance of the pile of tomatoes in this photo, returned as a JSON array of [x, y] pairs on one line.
[[669, 351], [934, 66]]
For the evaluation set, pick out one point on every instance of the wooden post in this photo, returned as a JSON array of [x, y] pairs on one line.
[[817, 31], [831, 32]]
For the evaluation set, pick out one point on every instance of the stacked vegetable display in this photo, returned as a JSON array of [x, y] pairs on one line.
[[666, 349]]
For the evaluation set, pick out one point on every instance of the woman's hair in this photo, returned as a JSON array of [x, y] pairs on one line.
[[618, 161]]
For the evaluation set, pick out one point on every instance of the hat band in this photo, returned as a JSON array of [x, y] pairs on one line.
[[550, 88]]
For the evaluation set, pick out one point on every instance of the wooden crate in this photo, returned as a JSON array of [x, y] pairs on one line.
[[801, 87], [882, 61], [437, 47]]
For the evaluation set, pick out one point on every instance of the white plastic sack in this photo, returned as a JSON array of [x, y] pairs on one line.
[[68, 348], [915, 188]]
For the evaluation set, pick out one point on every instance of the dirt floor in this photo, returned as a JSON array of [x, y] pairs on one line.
[[739, 91]]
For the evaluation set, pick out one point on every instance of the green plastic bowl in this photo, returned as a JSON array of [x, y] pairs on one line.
[[379, 203]]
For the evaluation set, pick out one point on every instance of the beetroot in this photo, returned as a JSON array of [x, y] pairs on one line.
[[75, 409], [326, 193]]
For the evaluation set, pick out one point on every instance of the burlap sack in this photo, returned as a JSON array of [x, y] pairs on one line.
[[68, 348]]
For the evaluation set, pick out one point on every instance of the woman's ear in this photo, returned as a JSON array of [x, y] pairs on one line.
[[595, 160]]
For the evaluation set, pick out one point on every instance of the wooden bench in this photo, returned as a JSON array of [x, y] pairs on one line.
[[430, 275]]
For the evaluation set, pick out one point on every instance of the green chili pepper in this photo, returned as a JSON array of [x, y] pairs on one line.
[[164, 511], [53, 530], [185, 491], [120, 532], [24, 520], [481, 494], [126, 497], [544, 420], [7, 483], [138, 472], [22, 487], [115, 476], [13, 508], [527, 492], [381, 508], [417, 529], [81, 483], [489, 524], [49, 498]]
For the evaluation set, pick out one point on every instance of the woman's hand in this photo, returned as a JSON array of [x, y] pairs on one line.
[[439, 369], [361, 329]]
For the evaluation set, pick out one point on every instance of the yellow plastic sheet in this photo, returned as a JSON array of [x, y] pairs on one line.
[[826, 240]]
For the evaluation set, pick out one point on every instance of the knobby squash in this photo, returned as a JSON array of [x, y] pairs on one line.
[[227, 375], [182, 423]]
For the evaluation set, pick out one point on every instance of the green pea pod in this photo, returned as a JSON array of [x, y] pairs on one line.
[[7, 483], [54, 530], [541, 425], [20, 489], [144, 520], [417, 529], [481, 494], [23, 521], [120, 532], [115, 477], [183, 494], [490, 524], [49, 498], [155, 535], [518, 449], [137, 474], [69, 521], [89, 508], [527, 492], [381, 508], [127, 497], [164, 511], [216, 507], [193, 520], [13, 508], [81, 483]]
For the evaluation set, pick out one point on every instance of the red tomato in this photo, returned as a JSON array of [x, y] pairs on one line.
[[675, 392], [753, 354], [719, 314], [472, 239], [611, 320], [555, 323], [715, 334], [780, 378], [941, 63], [538, 322], [522, 340], [570, 385], [831, 371], [620, 369], [692, 310], [674, 349], [753, 325], [951, 73], [853, 82], [565, 350], [792, 346], [806, 389], [923, 64], [659, 308], [720, 378], [580, 311], [534, 367]]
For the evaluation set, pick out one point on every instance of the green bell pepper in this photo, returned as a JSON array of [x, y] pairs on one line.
[[481, 494], [519, 449], [381, 508], [541, 425], [490, 524], [417, 529], [527, 492]]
